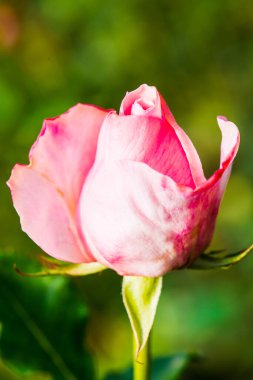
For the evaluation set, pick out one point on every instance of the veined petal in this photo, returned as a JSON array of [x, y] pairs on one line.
[[46, 192]]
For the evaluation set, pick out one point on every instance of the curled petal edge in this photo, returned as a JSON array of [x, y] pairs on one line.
[[229, 148]]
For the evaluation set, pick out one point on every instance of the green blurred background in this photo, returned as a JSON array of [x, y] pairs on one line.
[[199, 54]]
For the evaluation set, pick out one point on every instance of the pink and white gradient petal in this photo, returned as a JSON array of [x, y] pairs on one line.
[[190, 151], [140, 222], [46, 192], [142, 101], [229, 148], [146, 100], [44, 215], [66, 147], [146, 139], [129, 214]]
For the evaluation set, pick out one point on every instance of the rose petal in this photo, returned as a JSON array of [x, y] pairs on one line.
[[189, 149], [140, 222], [213, 189], [44, 215], [146, 100], [128, 214], [144, 139], [66, 148], [45, 193], [142, 101], [230, 140], [229, 147]]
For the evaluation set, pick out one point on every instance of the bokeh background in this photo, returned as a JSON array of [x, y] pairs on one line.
[[199, 54]]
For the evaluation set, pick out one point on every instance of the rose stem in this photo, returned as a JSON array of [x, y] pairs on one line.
[[141, 365]]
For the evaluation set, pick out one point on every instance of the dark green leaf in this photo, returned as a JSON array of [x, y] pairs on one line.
[[43, 322], [164, 368], [219, 259]]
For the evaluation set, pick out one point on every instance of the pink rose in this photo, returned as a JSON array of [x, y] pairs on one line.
[[125, 190]]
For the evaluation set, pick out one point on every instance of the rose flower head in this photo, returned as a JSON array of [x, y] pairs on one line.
[[126, 190]]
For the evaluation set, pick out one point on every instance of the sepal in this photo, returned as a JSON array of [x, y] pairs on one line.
[[219, 259], [52, 267], [140, 297]]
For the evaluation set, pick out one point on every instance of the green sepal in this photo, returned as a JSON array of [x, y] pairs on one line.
[[219, 259], [53, 268], [140, 297]]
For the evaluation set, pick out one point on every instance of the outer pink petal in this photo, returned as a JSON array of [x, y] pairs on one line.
[[46, 192], [146, 139], [140, 222], [229, 147], [130, 214], [44, 215], [66, 147], [213, 189], [190, 151]]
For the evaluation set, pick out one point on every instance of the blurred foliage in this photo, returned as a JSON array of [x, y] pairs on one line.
[[55, 53], [43, 323], [164, 368]]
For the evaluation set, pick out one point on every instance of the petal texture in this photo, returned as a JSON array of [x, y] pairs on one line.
[[46, 192], [189, 149], [129, 213], [146, 100], [140, 222], [146, 139]]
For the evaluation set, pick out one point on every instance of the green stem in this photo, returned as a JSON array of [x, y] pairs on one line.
[[141, 365]]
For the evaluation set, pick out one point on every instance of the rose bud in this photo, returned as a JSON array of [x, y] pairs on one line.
[[125, 190]]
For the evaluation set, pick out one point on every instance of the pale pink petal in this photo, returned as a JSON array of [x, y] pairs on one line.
[[144, 139], [66, 147], [44, 215], [190, 151], [230, 140], [130, 214], [213, 189], [46, 192], [140, 222], [142, 101], [229, 147]]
